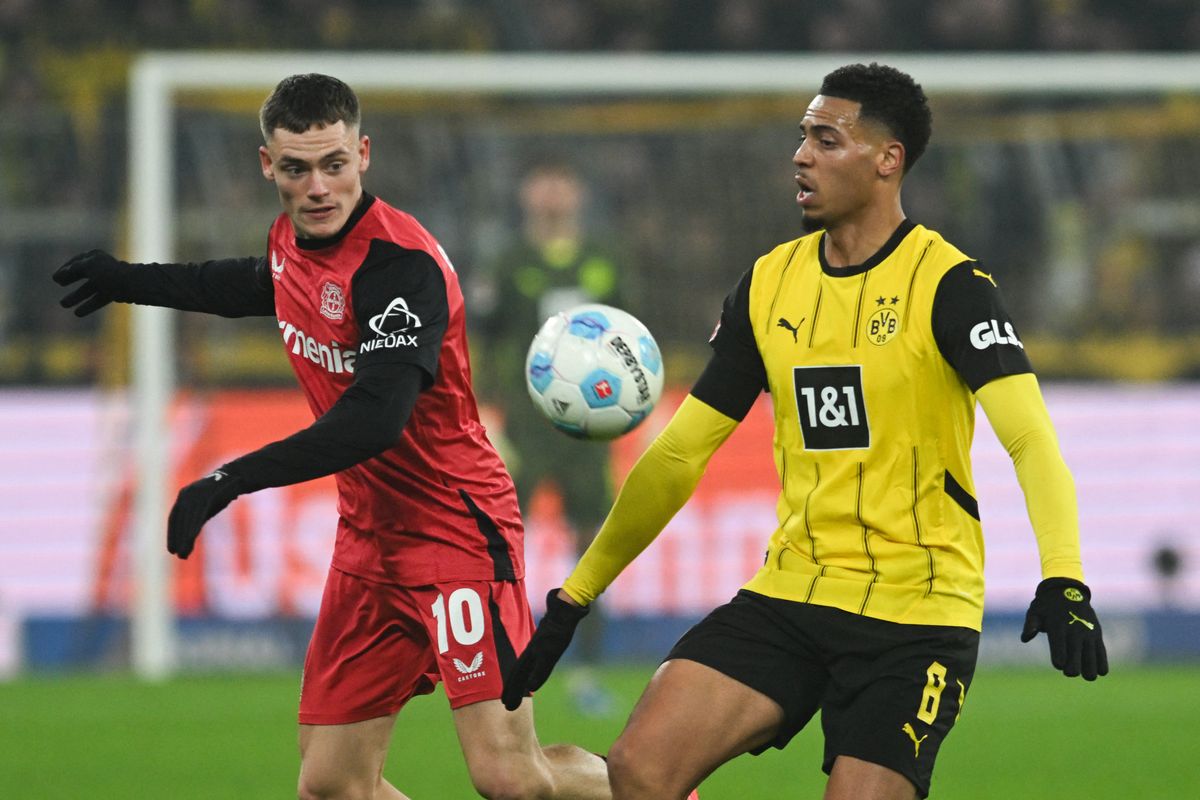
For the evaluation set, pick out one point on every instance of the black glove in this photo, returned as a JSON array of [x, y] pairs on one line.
[[103, 278], [196, 504], [549, 642], [1062, 608]]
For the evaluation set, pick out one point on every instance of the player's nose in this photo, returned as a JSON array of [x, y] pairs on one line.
[[317, 187]]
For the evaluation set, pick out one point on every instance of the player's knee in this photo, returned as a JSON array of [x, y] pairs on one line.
[[632, 774], [315, 785], [512, 780]]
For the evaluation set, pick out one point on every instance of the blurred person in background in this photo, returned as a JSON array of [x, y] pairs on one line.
[[426, 580], [556, 264], [875, 338]]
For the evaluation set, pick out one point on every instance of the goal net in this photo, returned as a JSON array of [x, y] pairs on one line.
[[1072, 177]]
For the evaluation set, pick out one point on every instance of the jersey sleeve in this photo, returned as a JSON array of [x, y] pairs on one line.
[[230, 287], [400, 302], [733, 339], [1017, 412], [973, 329], [365, 421], [656, 488], [727, 387]]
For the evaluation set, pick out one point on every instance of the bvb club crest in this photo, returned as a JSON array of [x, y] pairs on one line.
[[333, 302], [883, 325]]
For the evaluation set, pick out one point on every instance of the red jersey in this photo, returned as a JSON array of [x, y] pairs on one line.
[[439, 505]]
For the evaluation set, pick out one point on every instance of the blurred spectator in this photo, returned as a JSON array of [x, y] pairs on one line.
[[1127, 289], [1186, 292], [555, 265]]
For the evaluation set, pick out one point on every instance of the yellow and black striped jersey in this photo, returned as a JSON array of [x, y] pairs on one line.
[[872, 371]]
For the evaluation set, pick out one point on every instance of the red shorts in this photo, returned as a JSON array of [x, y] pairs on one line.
[[376, 645]]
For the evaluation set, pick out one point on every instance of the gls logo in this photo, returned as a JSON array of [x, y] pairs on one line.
[[390, 326], [986, 334]]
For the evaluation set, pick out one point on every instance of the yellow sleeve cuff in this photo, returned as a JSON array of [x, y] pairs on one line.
[[1017, 412], [659, 484]]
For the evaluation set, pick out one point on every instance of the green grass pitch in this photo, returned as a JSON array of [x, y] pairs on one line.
[[1023, 734]]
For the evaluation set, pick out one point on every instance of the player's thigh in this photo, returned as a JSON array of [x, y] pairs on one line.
[[690, 720], [343, 759], [487, 730], [855, 779], [501, 749]]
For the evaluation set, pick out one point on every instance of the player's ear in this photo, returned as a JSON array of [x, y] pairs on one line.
[[364, 153], [264, 158], [891, 159]]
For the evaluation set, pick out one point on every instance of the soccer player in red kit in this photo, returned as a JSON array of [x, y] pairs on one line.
[[426, 580]]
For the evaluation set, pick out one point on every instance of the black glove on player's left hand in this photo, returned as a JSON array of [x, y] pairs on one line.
[[197, 503], [1062, 608]]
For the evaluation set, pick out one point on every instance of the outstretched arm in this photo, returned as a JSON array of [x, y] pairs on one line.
[[234, 287], [659, 484], [369, 416], [1061, 606]]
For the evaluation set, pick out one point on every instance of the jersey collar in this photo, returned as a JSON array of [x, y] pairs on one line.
[[364, 205], [890, 245]]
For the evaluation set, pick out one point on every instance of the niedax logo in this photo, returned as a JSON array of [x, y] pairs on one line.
[[395, 319]]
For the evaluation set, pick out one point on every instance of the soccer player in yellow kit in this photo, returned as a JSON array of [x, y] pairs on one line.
[[875, 338]]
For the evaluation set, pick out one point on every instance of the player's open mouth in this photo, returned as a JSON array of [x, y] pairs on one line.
[[322, 212], [806, 191]]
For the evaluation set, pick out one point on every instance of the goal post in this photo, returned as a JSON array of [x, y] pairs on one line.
[[157, 79]]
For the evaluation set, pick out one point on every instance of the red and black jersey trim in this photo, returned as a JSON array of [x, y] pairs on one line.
[[506, 654], [497, 545]]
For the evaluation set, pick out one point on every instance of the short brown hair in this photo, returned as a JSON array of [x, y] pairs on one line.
[[302, 101]]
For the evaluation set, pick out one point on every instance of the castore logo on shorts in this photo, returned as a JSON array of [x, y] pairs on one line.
[[472, 670]]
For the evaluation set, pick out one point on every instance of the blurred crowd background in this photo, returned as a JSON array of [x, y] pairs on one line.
[[1084, 207]]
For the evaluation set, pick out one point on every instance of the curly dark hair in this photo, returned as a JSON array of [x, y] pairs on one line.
[[890, 97], [301, 101]]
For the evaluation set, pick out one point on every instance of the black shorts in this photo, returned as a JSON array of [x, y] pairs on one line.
[[888, 693]]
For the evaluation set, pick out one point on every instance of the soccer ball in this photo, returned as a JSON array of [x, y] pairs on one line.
[[594, 371]]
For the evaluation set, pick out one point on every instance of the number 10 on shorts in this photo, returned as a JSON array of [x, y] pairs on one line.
[[460, 615]]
